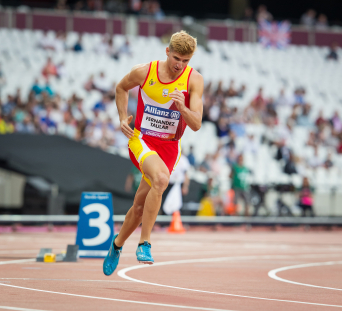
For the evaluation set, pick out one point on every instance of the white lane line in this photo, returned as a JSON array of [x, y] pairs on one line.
[[19, 309], [119, 300], [103, 298], [65, 280], [122, 273], [16, 261], [273, 273]]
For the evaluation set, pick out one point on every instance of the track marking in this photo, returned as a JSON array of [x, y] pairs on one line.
[[122, 273], [16, 261], [65, 280], [119, 300], [19, 309], [273, 273]]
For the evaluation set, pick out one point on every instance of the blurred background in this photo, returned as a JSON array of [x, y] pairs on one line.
[[271, 139]]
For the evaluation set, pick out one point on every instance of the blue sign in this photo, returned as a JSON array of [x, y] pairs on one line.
[[95, 228]]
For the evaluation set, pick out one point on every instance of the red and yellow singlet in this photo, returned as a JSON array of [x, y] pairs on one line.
[[159, 125]]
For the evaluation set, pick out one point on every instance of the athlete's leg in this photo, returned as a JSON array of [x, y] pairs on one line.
[[157, 172], [134, 215]]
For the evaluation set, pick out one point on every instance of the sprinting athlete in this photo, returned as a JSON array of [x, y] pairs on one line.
[[170, 98]]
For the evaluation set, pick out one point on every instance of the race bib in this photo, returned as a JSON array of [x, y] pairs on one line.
[[159, 122]]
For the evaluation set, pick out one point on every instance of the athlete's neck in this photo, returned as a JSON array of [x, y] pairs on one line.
[[165, 74]]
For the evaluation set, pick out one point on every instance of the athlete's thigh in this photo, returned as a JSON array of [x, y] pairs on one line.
[[154, 165], [141, 193]]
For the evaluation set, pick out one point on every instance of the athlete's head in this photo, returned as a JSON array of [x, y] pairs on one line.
[[181, 48]]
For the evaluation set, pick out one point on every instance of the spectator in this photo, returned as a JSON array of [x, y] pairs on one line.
[[332, 55], [46, 42], [103, 46], [282, 100], [248, 15], [290, 166], [112, 51], [308, 18], [205, 164], [322, 22], [251, 145], [61, 70], [306, 198], [156, 10], [49, 69], [336, 123], [47, 125], [89, 85], [102, 104], [59, 44], [78, 47], [191, 156], [133, 180], [36, 88], [263, 14], [328, 163], [9, 106], [48, 90], [315, 161], [211, 192], [101, 83], [239, 174], [6, 125], [126, 48], [303, 119], [26, 126], [2, 80], [320, 121]]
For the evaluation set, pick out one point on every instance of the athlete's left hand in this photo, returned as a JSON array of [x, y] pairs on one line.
[[179, 99]]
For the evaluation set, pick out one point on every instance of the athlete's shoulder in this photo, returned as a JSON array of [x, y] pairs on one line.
[[196, 80], [139, 72]]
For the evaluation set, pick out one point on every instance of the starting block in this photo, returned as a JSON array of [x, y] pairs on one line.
[[50, 257], [71, 253], [41, 254]]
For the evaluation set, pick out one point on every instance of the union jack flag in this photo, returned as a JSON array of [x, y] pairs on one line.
[[274, 34]]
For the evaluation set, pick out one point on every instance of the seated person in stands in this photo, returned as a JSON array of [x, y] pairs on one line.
[[78, 47], [49, 69], [332, 55], [306, 198]]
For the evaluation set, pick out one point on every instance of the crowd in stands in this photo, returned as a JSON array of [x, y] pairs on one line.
[[309, 19], [139, 7]]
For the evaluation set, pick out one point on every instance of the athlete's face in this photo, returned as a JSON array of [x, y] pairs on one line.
[[177, 62]]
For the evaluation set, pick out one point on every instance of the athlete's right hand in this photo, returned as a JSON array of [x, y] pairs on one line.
[[125, 128]]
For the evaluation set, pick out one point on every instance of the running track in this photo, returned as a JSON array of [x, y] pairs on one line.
[[200, 270]]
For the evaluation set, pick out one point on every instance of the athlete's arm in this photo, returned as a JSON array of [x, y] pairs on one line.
[[136, 77], [192, 116]]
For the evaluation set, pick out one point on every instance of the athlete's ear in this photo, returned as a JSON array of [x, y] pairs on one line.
[[167, 51]]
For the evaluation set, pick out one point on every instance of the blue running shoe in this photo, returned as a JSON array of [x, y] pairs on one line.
[[112, 259], [144, 253]]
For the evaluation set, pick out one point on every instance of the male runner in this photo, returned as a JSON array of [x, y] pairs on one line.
[[164, 109]]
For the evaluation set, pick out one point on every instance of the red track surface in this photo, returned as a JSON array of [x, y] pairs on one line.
[[225, 270]]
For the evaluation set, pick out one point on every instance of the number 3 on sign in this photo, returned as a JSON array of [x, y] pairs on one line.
[[100, 223]]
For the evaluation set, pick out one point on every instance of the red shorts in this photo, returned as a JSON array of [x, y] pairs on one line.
[[141, 146]]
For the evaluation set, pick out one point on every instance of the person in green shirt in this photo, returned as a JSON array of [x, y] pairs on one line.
[[240, 185], [133, 180]]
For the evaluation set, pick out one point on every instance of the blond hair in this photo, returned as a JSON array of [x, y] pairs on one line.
[[182, 43]]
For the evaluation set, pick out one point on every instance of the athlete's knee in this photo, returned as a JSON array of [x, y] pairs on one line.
[[138, 209], [161, 181]]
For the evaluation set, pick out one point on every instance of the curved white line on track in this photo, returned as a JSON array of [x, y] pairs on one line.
[[102, 298], [65, 280], [273, 273], [119, 300], [16, 261], [122, 273]]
